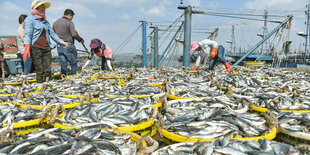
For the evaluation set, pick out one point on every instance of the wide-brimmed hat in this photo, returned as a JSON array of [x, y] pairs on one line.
[[37, 3], [194, 46]]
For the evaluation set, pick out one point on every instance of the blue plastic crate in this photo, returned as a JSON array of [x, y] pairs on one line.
[[14, 66]]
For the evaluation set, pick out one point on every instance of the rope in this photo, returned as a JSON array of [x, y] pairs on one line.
[[7, 135], [274, 122], [45, 114], [122, 45], [150, 141]]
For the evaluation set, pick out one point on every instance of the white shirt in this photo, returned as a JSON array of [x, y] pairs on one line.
[[207, 44], [20, 38]]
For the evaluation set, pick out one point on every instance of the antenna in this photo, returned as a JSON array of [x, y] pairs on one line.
[[181, 2]]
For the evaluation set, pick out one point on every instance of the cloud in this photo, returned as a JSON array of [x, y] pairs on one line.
[[194, 2], [7, 9], [124, 17], [158, 10], [79, 9], [9, 13], [268, 4], [116, 3]]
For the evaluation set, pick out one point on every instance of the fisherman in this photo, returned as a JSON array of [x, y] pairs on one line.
[[21, 37], [102, 51], [64, 28], [217, 53]]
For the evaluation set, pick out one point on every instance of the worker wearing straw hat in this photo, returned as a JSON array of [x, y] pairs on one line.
[[38, 32]]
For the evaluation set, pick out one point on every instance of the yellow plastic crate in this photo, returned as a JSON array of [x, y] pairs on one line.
[[260, 109], [174, 138]]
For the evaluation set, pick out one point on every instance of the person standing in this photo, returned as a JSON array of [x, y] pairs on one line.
[[65, 29], [21, 37], [102, 51], [37, 41], [217, 53]]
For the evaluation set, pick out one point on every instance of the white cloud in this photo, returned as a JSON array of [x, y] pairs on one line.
[[79, 9], [194, 2], [8, 9], [124, 17], [270, 4], [9, 13], [116, 3], [159, 11]]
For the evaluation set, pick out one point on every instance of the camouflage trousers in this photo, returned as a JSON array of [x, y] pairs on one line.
[[42, 59]]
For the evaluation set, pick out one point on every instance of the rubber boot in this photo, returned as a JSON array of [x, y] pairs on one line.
[[227, 65], [194, 68]]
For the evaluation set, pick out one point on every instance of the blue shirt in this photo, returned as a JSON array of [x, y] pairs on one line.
[[34, 28]]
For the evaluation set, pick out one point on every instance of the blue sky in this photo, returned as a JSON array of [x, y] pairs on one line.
[[114, 20]]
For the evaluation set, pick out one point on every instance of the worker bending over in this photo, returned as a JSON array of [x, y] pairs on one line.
[[217, 53], [102, 51]]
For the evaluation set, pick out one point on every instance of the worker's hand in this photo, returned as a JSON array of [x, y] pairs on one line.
[[27, 51], [64, 44], [82, 41], [213, 53], [194, 68]]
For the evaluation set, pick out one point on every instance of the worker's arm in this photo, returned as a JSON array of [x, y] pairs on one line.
[[109, 65], [74, 34], [198, 60]]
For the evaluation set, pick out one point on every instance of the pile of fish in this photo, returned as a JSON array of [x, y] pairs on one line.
[[18, 78], [189, 86], [47, 99], [110, 112], [226, 146], [222, 114], [10, 113], [212, 118], [57, 141], [295, 122]]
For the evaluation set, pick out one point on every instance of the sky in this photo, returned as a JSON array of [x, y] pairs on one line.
[[113, 21]]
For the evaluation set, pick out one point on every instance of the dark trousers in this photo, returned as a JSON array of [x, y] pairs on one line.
[[219, 57], [42, 59], [20, 56], [66, 55], [103, 63]]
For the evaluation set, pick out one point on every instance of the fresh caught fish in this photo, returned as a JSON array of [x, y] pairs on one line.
[[226, 146]]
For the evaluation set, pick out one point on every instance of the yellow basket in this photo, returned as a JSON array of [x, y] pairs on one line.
[[40, 107], [293, 138], [18, 83], [173, 138], [134, 137], [172, 97], [225, 88], [30, 81], [254, 63], [142, 128], [113, 77], [259, 109], [28, 126]]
